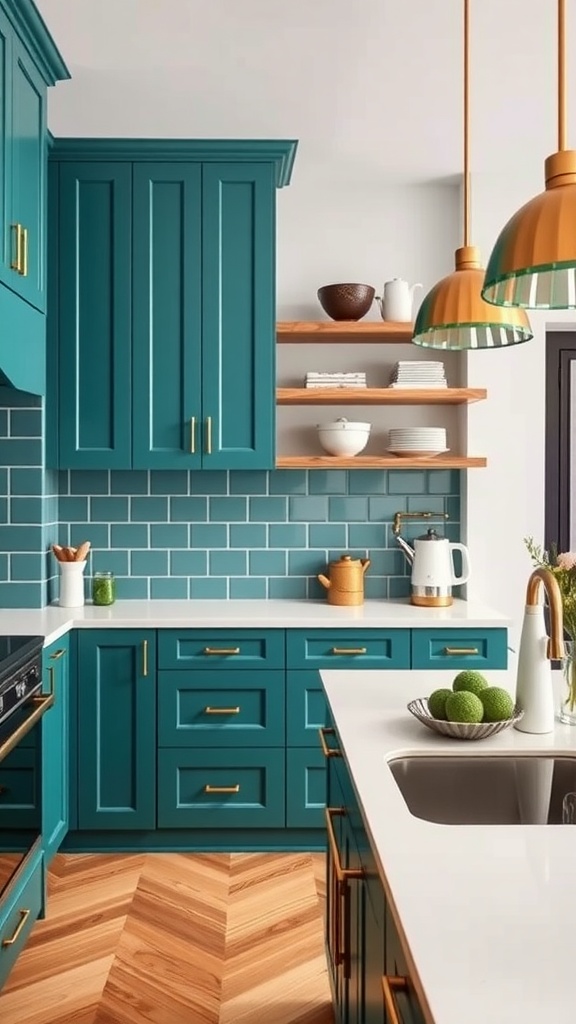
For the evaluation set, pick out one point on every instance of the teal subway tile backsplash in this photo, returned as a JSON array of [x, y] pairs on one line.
[[202, 535]]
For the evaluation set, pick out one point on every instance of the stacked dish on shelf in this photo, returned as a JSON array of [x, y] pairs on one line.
[[417, 442], [418, 373]]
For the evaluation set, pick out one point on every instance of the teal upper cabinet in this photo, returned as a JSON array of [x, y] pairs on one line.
[[29, 63], [165, 339]]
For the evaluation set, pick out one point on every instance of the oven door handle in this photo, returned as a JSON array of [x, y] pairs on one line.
[[38, 706]]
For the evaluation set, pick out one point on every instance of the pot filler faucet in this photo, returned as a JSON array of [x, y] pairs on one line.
[[534, 693]]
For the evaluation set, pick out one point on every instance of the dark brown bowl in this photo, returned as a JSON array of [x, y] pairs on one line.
[[346, 301]]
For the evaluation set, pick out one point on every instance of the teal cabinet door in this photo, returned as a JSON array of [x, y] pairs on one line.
[[116, 729], [305, 787], [94, 302], [167, 281], [6, 250], [29, 166], [238, 316], [22, 903], [55, 747]]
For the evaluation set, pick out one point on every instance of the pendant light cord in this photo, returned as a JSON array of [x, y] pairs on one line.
[[561, 74], [466, 120]]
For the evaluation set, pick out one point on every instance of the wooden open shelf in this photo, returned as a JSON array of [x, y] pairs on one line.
[[379, 396], [378, 462], [345, 331]]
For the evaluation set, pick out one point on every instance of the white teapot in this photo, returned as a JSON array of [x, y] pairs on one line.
[[397, 301]]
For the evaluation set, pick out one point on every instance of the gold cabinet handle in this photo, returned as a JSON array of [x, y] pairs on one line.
[[221, 711], [24, 915], [208, 435], [222, 789], [340, 895], [460, 650], [323, 732], [221, 650], [16, 262], [58, 654], [144, 657], [24, 263], [192, 435], [348, 650], [392, 983]]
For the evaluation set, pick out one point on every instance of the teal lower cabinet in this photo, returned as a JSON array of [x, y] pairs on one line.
[[221, 788], [459, 648], [368, 969], [305, 787], [55, 747], [21, 903], [116, 729]]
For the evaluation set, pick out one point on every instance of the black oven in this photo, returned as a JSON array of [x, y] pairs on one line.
[[22, 705]]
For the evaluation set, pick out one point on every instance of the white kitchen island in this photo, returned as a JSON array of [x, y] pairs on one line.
[[488, 912]]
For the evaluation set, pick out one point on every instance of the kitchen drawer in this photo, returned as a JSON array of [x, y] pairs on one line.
[[20, 907], [254, 780], [305, 787], [459, 648], [306, 709], [222, 708], [215, 649], [19, 790], [331, 648]]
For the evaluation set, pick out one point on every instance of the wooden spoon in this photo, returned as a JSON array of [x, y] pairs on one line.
[[59, 552], [82, 551]]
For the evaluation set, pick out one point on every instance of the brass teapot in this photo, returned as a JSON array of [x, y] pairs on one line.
[[346, 583]]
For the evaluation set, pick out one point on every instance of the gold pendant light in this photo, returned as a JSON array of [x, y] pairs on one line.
[[453, 315], [533, 263]]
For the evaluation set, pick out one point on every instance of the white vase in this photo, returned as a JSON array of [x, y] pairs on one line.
[[71, 584]]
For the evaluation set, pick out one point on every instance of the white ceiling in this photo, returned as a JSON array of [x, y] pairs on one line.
[[370, 87]]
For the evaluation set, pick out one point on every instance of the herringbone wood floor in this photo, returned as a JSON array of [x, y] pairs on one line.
[[176, 939]]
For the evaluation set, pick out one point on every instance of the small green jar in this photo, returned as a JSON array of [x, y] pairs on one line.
[[103, 588]]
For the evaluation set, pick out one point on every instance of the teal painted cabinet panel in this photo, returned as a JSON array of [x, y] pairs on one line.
[[6, 250], [352, 648], [55, 747], [238, 316], [459, 648], [305, 787], [117, 729], [94, 310], [222, 708], [24, 896], [306, 708], [29, 160], [215, 649], [167, 328], [221, 788]]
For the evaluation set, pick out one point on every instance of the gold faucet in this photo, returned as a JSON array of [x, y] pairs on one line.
[[545, 578]]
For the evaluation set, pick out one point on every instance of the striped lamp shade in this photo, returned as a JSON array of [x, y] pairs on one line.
[[454, 316], [533, 264]]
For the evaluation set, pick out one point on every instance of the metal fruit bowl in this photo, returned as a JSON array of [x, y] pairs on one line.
[[460, 730]]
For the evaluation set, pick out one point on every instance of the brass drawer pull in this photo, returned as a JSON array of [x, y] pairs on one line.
[[393, 983], [24, 263], [222, 789], [16, 263], [221, 650], [460, 650], [208, 435], [144, 657], [24, 915], [340, 895], [323, 732], [58, 654], [348, 650], [221, 711], [192, 435]]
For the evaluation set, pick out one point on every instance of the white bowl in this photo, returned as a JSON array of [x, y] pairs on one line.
[[342, 437]]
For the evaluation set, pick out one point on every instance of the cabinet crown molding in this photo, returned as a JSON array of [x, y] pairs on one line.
[[32, 29]]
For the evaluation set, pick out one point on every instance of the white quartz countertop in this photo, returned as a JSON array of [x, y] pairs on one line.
[[488, 911], [52, 622]]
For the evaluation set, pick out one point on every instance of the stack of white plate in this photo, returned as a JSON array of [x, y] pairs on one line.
[[417, 441]]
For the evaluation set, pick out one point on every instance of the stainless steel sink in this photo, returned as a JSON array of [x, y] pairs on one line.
[[485, 790]]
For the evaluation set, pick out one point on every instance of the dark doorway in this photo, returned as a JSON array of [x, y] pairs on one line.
[[560, 470]]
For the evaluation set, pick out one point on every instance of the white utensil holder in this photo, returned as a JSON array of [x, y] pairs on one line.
[[71, 584]]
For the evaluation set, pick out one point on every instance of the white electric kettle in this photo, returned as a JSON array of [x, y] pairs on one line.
[[433, 572]]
